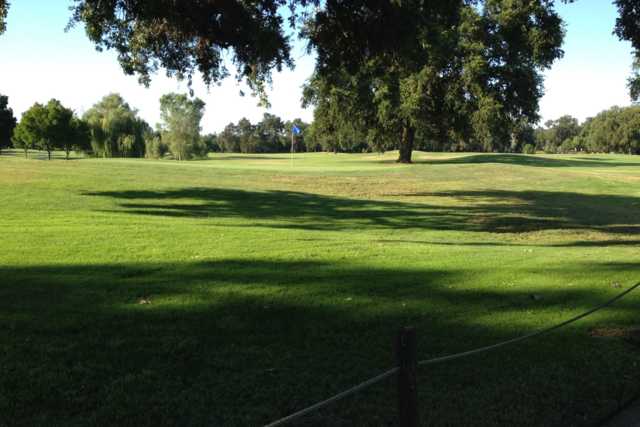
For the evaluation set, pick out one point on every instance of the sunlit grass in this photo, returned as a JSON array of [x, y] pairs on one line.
[[234, 290]]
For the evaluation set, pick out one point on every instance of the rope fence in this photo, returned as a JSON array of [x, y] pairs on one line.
[[406, 341]]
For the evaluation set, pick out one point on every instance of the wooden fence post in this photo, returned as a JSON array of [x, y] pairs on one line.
[[406, 359]]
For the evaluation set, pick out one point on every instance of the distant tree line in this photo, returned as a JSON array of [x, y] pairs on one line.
[[616, 130], [112, 128], [50, 127], [270, 135]]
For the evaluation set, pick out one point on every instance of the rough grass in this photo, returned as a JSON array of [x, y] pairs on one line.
[[235, 290]]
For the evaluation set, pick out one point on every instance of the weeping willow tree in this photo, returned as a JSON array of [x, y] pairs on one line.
[[115, 128]]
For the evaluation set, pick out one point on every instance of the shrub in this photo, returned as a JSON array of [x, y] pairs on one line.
[[550, 148], [155, 148]]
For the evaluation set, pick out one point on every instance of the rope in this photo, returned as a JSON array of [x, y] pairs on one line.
[[338, 396], [441, 359], [528, 336]]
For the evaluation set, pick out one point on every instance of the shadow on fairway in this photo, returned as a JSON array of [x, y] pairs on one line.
[[245, 341], [486, 211], [249, 157], [580, 243], [526, 160], [38, 155]]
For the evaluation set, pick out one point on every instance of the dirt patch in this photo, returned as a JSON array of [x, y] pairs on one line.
[[632, 335]]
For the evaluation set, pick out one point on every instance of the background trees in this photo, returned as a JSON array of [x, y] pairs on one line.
[[113, 128], [558, 135], [116, 129], [49, 127], [229, 139], [7, 122], [270, 135], [27, 133], [180, 127], [615, 130]]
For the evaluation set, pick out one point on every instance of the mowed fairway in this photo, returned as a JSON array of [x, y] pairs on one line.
[[233, 291]]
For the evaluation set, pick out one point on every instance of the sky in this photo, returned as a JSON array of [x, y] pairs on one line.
[[40, 61]]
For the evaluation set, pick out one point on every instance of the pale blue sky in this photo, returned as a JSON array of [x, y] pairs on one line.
[[39, 61]]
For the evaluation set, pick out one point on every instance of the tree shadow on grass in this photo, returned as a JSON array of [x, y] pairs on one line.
[[530, 160], [576, 244], [245, 341], [484, 211], [39, 155], [249, 157]]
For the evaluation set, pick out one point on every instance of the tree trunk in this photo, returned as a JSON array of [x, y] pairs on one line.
[[49, 154], [406, 144], [67, 151]]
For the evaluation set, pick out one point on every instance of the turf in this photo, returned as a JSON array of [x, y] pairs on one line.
[[235, 290]]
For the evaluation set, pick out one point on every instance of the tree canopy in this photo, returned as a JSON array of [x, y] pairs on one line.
[[7, 122], [452, 71], [115, 128], [48, 127], [628, 28], [180, 126], [558, 134], [270, 135], [185, 37], [465, 73], [616, 130], [194, 36], [4, 9]]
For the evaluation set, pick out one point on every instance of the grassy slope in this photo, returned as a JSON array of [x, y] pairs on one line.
[[273, 285]]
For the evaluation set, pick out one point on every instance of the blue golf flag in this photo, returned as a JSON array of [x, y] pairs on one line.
[[296, 130]]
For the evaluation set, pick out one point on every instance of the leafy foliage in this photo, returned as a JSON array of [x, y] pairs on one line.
[[455, 72], [49, 127], [270, 135], [529, 149], [4, 8], [628, 28], [188, 36], [556, 134], [616, 130], [155, 148], [194, 36], [116, 129], [180, 129], [7, 122]]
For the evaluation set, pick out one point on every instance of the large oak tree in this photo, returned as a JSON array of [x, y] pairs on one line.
[[454, 69]]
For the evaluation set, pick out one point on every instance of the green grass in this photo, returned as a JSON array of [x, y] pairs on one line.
[[235, 290]]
